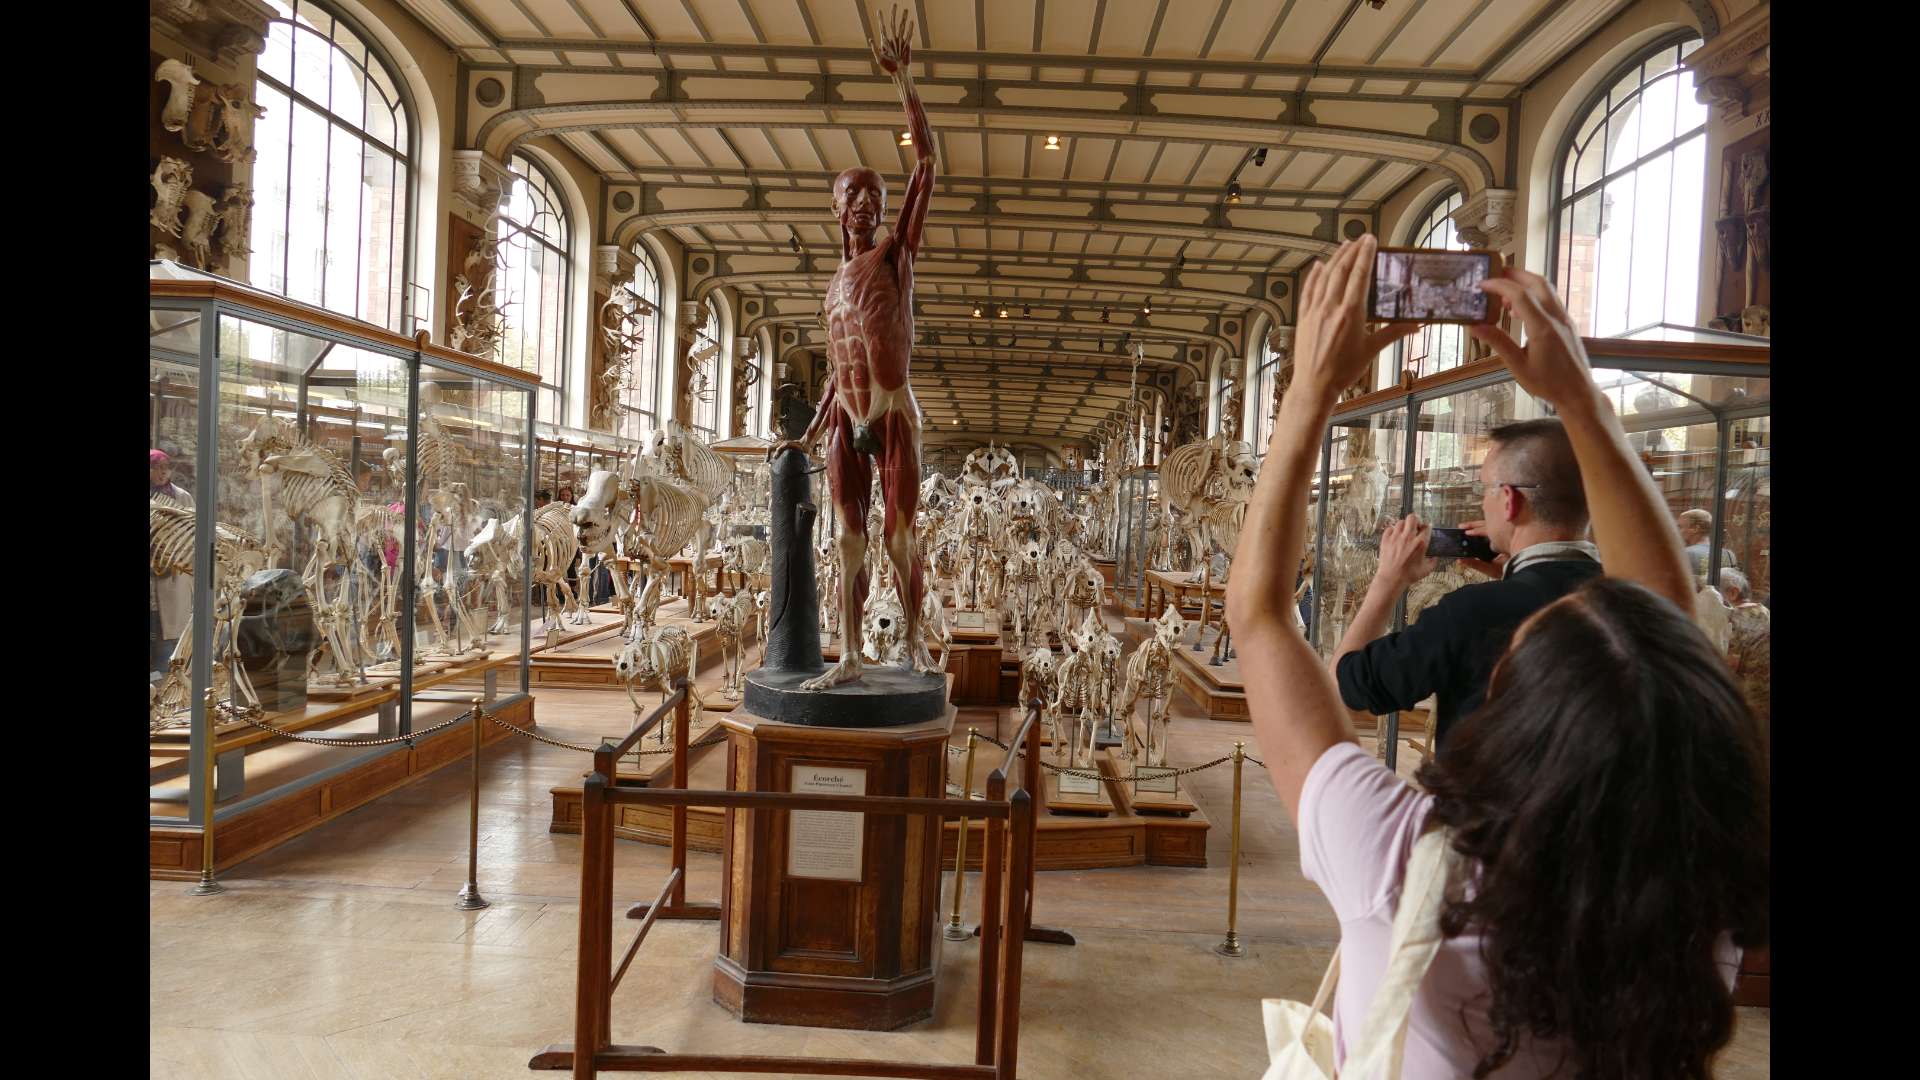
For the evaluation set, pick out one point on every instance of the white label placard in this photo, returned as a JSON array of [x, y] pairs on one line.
[[1154, 779], [826, 844], [1078, 785], [970, 620]]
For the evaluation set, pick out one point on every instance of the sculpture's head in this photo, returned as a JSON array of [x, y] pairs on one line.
[[859, 199]]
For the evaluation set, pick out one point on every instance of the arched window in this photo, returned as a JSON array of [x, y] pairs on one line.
[[333, 182], [534, 281], [1436, 348], [1266, 373], [706, 399], [1628, 200], [640, 410]]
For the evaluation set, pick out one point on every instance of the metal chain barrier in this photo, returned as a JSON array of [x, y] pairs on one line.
[[388, 741], [537, 737]]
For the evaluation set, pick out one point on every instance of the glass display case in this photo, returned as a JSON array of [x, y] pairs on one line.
[[1695, 404], [566, 457], [1139, 531], [366, 496]]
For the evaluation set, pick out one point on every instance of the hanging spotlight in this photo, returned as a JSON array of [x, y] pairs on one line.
[[793, 240], [976, 311], [906, 138], [1147, 308], [1003, 311], [1233, 191], [1027, 312], [1053, 143], [1260, 157], [1103, 314]]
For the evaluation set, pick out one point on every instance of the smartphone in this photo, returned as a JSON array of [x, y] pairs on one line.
[[1456, 544], [1432, 286]]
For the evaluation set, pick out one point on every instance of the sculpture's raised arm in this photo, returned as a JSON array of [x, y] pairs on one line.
[[894, 52]]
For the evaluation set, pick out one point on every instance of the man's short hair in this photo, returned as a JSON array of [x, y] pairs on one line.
[[1698, 519], [1538, 452]]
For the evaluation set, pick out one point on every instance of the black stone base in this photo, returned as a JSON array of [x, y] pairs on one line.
[[883, 696]]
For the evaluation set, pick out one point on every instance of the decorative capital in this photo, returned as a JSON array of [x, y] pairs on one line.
[[229, 30], [1732, 70], [480, 185], [1280, 339], [1486, 220], [613, 267]]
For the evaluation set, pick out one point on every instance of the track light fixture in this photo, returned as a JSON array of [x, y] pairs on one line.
[[1103, 314], [906, 138], [1233, 191], [1026, 312], [976, 311], [1053, 142], [1003, 311], [1147, 308], [1260, 157], [793, 239]]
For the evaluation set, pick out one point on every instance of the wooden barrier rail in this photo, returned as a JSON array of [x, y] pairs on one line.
[[1007, 817]]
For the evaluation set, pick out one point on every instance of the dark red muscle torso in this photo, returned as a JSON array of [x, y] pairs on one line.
[[870, 332]]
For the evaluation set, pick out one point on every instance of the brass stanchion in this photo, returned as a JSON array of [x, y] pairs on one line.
[[954, 931], [1231, 946], [470, 898], [208, 886]]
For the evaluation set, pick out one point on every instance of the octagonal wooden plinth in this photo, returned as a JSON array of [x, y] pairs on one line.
[[826, 952]]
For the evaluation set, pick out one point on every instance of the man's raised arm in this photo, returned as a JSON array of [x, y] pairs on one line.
[[895, 55]]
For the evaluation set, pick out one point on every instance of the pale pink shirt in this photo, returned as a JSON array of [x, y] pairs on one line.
[[1358, 823]]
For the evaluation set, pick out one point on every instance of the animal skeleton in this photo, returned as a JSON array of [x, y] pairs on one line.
[[197, 233], [320, 494], [236, 554], [1149, 675], [233, 110], [173, 115], [1075, 696], [554, 548], [656, 662], [1203, 485], [732, 615], [234, 212], [683, 456], [169, 181], [884, 626], [488, 560]]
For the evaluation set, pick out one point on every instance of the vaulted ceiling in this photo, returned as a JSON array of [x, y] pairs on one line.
[[723, 122]]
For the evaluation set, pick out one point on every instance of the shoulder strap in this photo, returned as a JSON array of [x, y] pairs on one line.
[[1416, 941]]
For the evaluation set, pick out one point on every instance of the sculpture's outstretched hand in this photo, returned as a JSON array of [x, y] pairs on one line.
[[783, 445], [895, 48]]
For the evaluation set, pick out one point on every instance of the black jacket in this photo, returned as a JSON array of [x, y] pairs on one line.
[[1451, 650]]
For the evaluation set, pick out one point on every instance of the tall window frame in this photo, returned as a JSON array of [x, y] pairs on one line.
[[1637, 151], [1266, 371], [640, 407], [534, 282], [706, 413], [340, 139]]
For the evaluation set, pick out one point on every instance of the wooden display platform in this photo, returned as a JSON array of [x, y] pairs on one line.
[[174, 852], [1164, 585], [586, 660], [1062, 841]]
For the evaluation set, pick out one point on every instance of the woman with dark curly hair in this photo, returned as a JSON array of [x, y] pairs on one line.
[[1605, 810]]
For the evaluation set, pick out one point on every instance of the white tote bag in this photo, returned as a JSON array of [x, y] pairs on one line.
[[1300, 1037]]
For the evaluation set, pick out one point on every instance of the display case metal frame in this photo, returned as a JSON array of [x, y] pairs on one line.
[[1699, 351], [206, 300], [1138, 501]]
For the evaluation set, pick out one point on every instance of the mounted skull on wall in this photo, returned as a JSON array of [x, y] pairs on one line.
[[173, 115], [169, 181]]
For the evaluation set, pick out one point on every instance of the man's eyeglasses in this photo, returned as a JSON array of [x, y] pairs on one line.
[[1480, 486]]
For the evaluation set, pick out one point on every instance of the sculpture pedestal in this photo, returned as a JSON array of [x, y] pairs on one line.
[[827, 920]]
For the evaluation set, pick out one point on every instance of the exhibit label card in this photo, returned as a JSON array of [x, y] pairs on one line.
[[970, 620], [1078, 785], [1151, 778], [826, 844]]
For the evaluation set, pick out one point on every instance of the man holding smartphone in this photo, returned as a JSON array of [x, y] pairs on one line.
[[1536, 522]]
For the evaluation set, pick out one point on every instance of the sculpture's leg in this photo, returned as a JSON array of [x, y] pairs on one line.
[[900, 495], [852, 487]]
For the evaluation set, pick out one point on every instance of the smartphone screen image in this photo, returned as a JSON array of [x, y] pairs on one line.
[[1422, 285], [1443, 543]]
